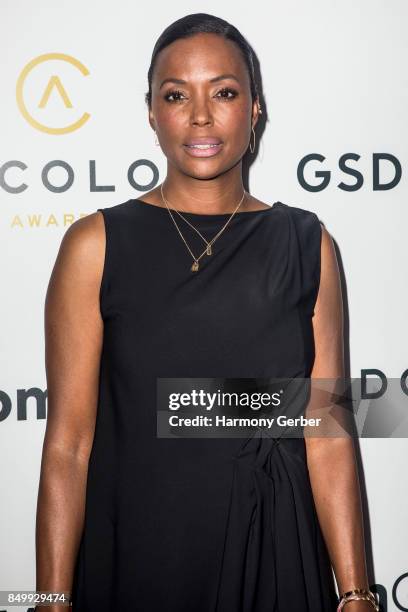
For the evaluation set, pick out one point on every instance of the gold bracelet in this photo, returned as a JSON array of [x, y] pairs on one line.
[[355, 594]]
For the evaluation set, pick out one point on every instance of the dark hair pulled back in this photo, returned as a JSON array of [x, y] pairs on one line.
[[199, 23]]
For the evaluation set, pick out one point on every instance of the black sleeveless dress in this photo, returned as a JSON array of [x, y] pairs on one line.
[[201, 524]]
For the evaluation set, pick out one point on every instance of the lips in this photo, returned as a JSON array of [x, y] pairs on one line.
[[202, 142], [203, 147]]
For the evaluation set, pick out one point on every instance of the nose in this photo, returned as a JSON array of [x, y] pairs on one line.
[[200, 113]]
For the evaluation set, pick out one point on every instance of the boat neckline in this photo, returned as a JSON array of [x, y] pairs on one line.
[[203, 215]]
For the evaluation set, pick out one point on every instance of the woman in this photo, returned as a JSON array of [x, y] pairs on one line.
[[231, 287]]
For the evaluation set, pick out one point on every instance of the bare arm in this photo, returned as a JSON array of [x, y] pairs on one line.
[[331, 461], [73, 342]]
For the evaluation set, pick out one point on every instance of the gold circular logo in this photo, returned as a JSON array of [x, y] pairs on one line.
[[53, 82]]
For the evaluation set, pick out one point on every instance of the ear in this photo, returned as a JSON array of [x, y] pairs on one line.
[[256, 111], [151, 120]]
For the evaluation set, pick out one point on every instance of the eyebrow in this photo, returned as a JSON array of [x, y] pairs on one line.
[[221, 77]]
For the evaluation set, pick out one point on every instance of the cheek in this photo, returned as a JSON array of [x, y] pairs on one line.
[[171, 123], [170, 119], [237, 124]]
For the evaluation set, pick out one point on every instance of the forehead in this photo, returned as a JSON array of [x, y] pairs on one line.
[[200, 54]]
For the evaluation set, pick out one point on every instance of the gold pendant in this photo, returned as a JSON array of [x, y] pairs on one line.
[[209, 251], [194, 267]]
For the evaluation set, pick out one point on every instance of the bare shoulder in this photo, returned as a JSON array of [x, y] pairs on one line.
[[84, 241], [329, 299], [328, 252], [79, 263], [86, 235]]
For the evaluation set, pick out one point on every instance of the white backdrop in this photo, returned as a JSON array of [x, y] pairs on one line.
[[334, 79]]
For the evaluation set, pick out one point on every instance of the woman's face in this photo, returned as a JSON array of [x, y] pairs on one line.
[[201, 93]]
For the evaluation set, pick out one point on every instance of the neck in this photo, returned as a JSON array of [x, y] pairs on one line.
[[214, 196]]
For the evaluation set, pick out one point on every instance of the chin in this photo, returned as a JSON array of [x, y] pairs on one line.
[[202, 168]]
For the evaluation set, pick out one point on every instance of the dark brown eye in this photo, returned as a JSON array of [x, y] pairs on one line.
[[226, 91], [176, 93]]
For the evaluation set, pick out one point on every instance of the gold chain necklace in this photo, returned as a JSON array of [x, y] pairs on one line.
[[208, 249]]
